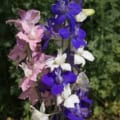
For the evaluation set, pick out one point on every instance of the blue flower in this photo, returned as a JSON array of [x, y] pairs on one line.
[[81, 110], [57, 79], [77, 37], [65, 10]]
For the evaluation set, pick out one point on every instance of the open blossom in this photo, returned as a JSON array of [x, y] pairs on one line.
[[80, 56], [57, 79], [81, 110], [28, 30], [66, 11], [31, 72], [32, 36], [77, 37], [27, 18], [59, 61], [69, 100]]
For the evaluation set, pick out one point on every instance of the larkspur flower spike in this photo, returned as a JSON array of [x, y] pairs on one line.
[[54, 80]]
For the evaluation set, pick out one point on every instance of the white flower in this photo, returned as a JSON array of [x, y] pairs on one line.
[[67, 98], [82, 81], [84, 14], [39, 115], [59, 61], [80, 56]]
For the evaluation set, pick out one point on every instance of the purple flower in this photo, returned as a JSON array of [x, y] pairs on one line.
[[66, 11], [57, 79], [77, 37], [82, 109], [80, 112]]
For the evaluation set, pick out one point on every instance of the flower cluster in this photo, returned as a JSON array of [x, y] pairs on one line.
[[56, 80]]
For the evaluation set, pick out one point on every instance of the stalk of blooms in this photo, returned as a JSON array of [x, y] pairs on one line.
[[54, 79]]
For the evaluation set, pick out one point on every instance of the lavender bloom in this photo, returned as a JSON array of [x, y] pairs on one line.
[[57, 79]]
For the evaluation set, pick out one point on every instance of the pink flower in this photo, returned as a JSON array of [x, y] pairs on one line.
[[28, 30], [32, 35], [18, 53], [30, 17], [31, 72]]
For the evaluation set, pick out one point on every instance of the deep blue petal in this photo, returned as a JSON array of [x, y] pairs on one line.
[[74, 117], [57, 89], [78, 42], [72, 22], [74, 8], [82, 34], [55, 9], [64, 33], [69, 77], [48, 79], [60, 19]]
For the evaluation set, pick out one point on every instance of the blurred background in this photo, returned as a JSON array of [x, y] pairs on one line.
[[103, 36]]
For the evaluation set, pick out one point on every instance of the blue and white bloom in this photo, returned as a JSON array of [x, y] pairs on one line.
[[59, 61], [57, 79], [67, 98], [80, 56]]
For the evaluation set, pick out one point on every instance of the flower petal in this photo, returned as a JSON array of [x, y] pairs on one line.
[[57, 89], [70, 102], [48, 79], [42, 107], [66, 66], [78, 42], [56, 9], [60, 19], [88, 55], [67, 91], [37, 115], [79, 60], [64, 33], [80, 17], [59, 99], [69, 77], [74, 8]]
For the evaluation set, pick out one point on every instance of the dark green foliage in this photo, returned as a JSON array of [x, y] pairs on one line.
[[104, 41], [103, 36]]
